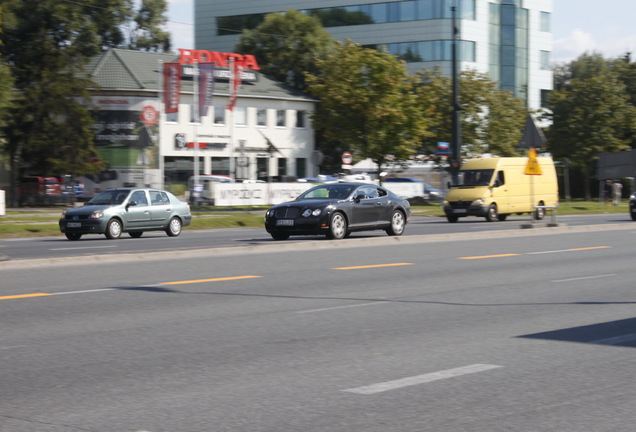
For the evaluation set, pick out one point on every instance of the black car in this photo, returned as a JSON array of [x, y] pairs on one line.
[[338, 209], [632, 206]]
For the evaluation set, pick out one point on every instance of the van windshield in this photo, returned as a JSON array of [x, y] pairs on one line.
[[474, 177]]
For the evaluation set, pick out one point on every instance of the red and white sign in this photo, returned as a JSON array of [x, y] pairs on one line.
[[347, 158], [149, 115], [172, 86], [189, 56]]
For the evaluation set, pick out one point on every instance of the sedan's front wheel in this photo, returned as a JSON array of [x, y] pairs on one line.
[[174, 227], [398, 223], [73, 236], [113, 229], [337, 227]]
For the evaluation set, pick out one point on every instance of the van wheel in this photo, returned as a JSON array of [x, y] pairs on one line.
[[539, 213], [502, 217], [451, 218], [491, 214]]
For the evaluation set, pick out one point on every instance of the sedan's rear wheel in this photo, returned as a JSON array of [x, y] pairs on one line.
[[135, 234], [174, 227], [337, 227], [398, 223], [113, 229], [73, 236]]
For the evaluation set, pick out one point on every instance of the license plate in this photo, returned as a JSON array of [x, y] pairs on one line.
[[459, 210], [73, 225], [285, 222]]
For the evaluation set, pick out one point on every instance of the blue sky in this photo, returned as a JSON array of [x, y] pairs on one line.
[[578, 26]]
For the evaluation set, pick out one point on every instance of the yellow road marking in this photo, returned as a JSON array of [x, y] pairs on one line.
[[372, 266], [488, 256], [208, 280], [515, 254], [24, 296]]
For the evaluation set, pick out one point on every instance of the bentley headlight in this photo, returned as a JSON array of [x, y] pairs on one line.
[[310, 212], [98, 214]]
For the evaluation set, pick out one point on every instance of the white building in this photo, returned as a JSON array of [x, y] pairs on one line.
[[510, 40], [268, 134]]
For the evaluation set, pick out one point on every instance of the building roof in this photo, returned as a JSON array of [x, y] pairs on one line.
[[139, 71]]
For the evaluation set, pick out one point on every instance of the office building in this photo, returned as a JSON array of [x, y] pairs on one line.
[[510, 40]]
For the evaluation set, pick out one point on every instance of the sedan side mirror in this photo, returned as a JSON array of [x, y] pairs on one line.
[[359, 197], [131, 204]]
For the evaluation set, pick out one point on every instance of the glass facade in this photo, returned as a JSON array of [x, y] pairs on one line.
[[509, 33], [376, 13], [427, 51]]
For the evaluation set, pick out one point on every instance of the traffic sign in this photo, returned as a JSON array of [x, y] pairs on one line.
[[533, 167], [347, 158]]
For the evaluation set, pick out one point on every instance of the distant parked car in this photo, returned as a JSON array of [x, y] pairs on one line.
[[430, 193], [632, 206], [337, 209], [131, 210]]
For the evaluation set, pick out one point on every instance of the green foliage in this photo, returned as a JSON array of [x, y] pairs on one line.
[[148, 34], [367, 104], [47, 43], [287, 45], [492, 119], [591, 113]]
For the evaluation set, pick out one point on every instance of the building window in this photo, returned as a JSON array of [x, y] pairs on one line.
[[545, 97], [301, 167], [282, 167], [280, 118], [545, 21], [301, 119], [221, 165], [194, 114], [240, 116], [545, 60], [219, 115], [172, 117], [372, 13], [262, 169], [261, 117]]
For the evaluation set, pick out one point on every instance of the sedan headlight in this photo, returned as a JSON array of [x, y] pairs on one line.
[[310, 212], [98, 214]]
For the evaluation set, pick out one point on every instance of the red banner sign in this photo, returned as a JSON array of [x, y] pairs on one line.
[[172, 86]]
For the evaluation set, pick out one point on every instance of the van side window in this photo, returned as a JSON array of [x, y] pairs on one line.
[[500, 178]]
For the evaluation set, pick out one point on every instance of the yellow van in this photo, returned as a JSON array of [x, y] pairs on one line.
[[499, 186]]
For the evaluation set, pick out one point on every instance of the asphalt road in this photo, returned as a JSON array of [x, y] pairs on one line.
[[59, 246], [520, 331]]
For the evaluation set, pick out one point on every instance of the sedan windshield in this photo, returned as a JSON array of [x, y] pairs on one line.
[[110, 197], [335, 191]]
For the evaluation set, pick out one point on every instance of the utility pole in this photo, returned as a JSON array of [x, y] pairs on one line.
[[456, 124]]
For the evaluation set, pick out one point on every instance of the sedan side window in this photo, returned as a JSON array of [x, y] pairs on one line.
[[139, 197], [158, 198]]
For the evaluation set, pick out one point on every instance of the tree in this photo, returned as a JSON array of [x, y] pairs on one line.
[[590, 115], [492, 120], [148, 34], [287, 46], [46, 43], [367, 104]]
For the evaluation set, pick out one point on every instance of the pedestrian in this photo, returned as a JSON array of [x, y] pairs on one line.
[[617, 192], [607, 191]]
